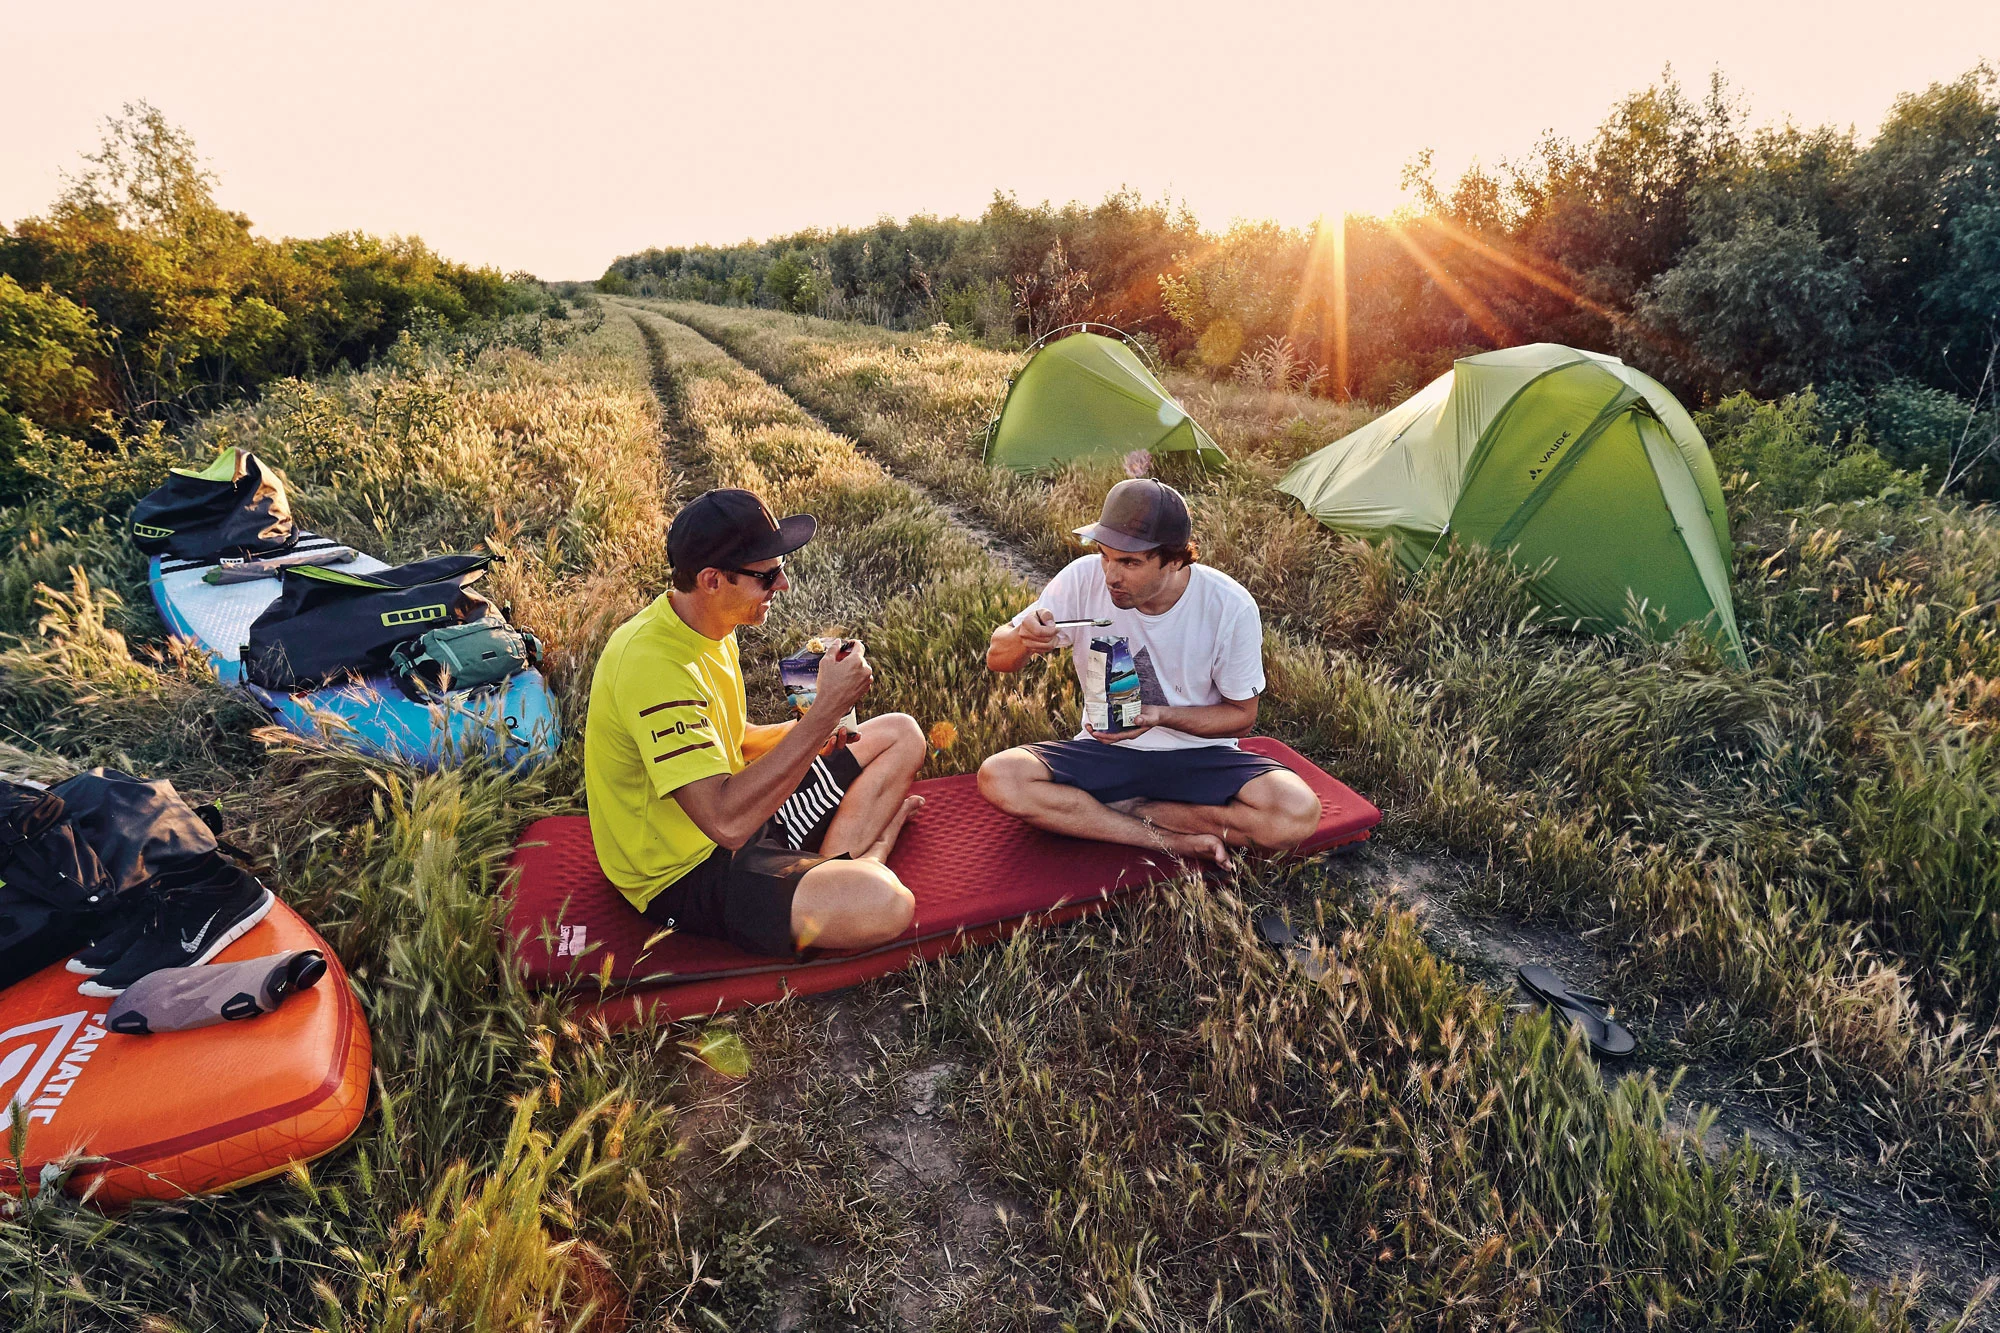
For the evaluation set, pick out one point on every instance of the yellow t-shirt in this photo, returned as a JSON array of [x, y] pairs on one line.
[[666, 709]]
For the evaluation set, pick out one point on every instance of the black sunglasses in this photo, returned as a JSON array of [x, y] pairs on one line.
[[767, 577]]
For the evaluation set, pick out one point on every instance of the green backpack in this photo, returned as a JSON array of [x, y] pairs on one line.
[[462, 657]]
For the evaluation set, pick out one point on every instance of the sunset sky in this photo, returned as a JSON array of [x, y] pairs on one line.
[[553, 138]]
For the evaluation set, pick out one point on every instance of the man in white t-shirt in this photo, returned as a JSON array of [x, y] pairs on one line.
[[1177, 780]]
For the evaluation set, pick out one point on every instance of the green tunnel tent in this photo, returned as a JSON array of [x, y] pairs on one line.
[[1089, 396], [1568, 459]]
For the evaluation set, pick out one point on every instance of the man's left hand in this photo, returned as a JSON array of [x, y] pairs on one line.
[[1150, 716]]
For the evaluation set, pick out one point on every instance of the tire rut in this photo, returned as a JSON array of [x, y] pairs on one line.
[[915, 1153], [675, 427], [1007, 554]]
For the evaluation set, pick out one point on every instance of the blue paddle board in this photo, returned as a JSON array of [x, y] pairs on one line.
[[372, 715]]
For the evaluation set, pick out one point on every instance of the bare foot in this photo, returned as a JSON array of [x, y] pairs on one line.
[[1196, 847], [887, 842]]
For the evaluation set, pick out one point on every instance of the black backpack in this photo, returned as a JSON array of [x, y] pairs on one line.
[[235, 507], [73, 856], [327, 624]]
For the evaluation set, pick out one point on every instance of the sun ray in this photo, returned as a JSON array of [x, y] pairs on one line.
[[1619, 320], [1320, 308], [1340, 308], [1493, 254], [1476, 310]]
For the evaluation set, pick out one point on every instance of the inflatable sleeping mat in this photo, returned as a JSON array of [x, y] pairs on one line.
[[977, 874], [180, 1113], [373, 716]]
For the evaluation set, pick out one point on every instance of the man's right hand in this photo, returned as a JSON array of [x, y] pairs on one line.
[[844, 677], [1038, 633]]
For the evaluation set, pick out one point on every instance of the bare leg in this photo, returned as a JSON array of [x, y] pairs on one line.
[[887, 842], [850, 905], [1275, 811], [890, 750], [1019, 783]]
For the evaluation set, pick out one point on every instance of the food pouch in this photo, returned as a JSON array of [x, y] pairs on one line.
[[1110, 686], [800, 673]]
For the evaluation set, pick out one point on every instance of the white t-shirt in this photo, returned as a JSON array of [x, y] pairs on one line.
[[1206, 647]]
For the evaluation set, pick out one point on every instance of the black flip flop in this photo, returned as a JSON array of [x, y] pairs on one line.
[[1607, 1036], [1315, 962]]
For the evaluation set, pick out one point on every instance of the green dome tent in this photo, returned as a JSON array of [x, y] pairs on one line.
[[1557, 455], [1089, 396]]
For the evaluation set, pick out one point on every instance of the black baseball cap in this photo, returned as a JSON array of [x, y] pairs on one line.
[[728, 529], [1140, 514]]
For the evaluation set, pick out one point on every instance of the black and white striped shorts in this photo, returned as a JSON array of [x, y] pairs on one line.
[[801, 821]]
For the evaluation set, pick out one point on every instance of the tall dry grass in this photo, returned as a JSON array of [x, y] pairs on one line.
[[516, 1171], [1214, 1141], [1807, 843], [519, 1171]]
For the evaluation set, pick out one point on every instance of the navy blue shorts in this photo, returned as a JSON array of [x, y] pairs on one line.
[[1202, 775]]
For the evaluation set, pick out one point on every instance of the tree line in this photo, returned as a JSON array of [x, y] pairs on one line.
[[1718, 256], [138, 301]]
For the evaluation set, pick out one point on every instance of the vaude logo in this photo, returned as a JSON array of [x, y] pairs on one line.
[[1542, 463], [41, 1061], [414, 615], [148, 530]]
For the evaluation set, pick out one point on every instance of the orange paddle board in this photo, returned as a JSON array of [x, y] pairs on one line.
[[180, 1113]]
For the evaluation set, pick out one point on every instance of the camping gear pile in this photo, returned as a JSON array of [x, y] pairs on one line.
[[329, 625], [1088, 396], [1586, 471], [111, 869], [409, 662], [111, 887]]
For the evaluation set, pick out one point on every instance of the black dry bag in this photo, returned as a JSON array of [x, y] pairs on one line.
[[142, 833], [53, 890], [235, 507], [327, 625]]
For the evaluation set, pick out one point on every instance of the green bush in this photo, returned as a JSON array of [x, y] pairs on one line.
[[1916, 426], [47, 347], [139, 297], [1794, 457]]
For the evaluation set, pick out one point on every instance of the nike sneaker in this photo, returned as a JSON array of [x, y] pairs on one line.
[[190, 926], [107, 949]]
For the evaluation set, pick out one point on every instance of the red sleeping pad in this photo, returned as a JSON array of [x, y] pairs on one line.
[[977, 874]]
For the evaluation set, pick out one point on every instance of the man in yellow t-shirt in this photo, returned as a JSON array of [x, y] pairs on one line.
[[774, 853]]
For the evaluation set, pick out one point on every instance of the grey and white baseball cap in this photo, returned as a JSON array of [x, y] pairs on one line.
[[1140, 514]]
